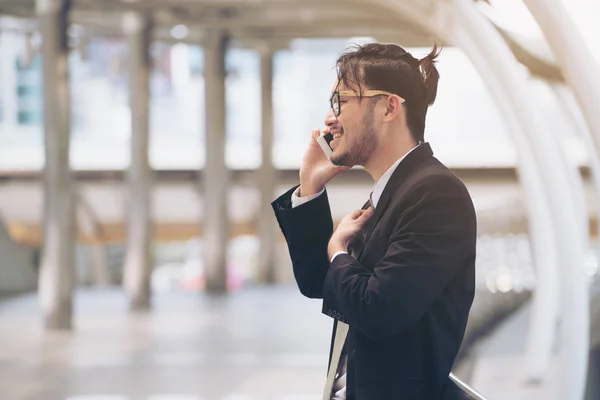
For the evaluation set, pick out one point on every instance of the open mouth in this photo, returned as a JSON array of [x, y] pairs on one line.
[[336, 138]]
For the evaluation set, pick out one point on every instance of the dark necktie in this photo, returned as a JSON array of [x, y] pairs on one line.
[[339, 359]]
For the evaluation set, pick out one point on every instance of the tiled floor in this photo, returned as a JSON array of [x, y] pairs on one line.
[[255, 344], [258, 344]]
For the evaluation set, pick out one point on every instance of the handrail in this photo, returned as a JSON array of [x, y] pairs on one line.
[[474, 395]]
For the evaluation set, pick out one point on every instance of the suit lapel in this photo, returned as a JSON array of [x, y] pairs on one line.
[[404, 169]]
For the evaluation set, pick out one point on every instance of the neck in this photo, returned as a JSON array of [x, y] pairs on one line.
[[385, 155]]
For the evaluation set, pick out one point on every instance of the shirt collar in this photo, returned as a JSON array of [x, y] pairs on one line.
[[382, 182]]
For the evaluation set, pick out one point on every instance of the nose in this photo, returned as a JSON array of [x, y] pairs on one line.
[[330, 119]]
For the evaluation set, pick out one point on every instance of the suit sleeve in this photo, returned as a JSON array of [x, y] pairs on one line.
[[307, 230], [435, 234]]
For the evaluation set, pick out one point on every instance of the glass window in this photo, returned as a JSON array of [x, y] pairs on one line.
[[243, 109], [177, 107]]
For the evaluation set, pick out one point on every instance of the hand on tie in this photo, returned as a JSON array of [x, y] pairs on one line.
[[347, 230]]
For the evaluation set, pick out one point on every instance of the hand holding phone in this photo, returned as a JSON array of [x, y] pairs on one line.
[[324, 140], [316, 170]]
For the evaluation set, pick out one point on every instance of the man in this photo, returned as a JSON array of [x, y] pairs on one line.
[[397, 276]]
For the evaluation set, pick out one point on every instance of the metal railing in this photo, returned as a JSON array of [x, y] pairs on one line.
[[469, 392]]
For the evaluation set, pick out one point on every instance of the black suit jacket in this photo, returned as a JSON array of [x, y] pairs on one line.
[[407, 291]]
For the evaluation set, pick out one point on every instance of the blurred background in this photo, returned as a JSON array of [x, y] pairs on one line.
[[142, 142]]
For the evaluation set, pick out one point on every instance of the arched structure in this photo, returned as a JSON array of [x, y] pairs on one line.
[[459, 23], [577, 63]]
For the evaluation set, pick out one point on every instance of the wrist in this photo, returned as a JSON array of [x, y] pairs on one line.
[[308, 190], [334, 247]]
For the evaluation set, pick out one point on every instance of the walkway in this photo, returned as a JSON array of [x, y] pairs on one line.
[[499, 368], [267, 344]]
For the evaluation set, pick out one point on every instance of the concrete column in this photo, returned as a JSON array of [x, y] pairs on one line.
[[138, 258], [215, 176], [57, 272], [267, 174]]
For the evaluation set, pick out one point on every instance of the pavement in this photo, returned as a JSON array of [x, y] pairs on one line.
[[263, 344]]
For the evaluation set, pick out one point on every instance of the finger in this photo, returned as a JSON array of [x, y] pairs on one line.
[[366, 214], [316, 133], [341, 168], [355, 214]]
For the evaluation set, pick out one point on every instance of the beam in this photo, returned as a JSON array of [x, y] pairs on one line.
[[535, 64], [310, 18]]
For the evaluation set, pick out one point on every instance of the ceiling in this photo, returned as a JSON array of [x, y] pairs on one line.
[[245, 21], [256, 23]]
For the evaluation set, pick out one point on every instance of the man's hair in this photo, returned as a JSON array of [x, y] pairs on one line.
[[391, 68]]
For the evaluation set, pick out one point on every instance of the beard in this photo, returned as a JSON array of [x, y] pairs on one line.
[[360, 145]]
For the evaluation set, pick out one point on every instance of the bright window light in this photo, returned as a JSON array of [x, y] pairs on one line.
[[180, 32]]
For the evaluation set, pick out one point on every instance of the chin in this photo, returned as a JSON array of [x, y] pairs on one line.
[[340, 160]]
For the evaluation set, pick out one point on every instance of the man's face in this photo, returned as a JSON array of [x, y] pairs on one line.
[[354, 132]]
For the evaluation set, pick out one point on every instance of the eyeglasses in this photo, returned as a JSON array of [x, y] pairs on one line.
[[334, 100]]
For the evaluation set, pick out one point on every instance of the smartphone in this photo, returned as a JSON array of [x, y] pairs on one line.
[[324, 141]]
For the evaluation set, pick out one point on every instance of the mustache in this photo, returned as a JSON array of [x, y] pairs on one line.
[[333, 129]]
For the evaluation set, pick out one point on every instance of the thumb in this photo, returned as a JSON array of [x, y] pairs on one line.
[[315, 134]]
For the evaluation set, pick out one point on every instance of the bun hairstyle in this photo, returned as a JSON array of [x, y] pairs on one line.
[[431, 76], [391, 68]]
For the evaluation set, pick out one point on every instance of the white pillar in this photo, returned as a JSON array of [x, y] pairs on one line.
[[267, 174], [500, 70], [57, 273], [575, 180], [575, 117], [138, 258], [215, 175], [543, 320]]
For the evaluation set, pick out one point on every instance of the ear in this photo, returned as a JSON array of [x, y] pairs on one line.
[[394, 108]]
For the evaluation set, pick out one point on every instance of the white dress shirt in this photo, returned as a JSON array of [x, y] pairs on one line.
[[339, 386]]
